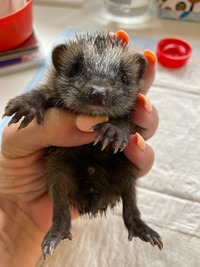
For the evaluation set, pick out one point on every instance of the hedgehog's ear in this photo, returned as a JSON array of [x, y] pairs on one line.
[[142, 63], [64, 56], [57, 56]]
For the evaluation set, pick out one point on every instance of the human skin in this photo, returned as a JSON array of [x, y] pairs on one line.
[[25, 206]]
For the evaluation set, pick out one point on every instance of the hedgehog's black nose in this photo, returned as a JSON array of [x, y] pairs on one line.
[[98, 95]]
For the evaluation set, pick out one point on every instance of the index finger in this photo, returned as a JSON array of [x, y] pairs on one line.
[[150, 71]]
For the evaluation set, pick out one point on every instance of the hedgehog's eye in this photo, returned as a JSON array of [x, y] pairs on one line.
[[124, 79], [75, 69]]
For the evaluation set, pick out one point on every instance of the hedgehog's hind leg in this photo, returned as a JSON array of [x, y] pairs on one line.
[[60, 230], [61, 185], [136, 227]]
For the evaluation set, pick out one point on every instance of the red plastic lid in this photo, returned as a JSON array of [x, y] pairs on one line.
[[173, 52]]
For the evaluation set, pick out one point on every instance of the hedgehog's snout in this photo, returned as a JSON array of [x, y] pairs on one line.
[[97, 95]]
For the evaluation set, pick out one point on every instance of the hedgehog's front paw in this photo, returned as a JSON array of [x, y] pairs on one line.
[[22, 108], [107, 133]]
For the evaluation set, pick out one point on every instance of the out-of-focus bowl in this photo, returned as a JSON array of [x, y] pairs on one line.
[[16, 27]]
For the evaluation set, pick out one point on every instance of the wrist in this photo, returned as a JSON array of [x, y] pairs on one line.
[[20, 239]]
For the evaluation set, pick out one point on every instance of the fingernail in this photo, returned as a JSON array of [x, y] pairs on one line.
[[86, 123], [123, 36], [145, 102], [140, 141], [150, 56]]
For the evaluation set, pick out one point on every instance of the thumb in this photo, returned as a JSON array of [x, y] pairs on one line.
[[59, 130]]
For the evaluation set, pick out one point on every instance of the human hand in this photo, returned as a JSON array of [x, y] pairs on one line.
[[146, 118], [25, 206]]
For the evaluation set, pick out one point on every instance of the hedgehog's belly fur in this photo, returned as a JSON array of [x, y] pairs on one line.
[[96, 178]]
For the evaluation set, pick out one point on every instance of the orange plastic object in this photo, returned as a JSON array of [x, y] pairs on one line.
[[85, 123], [122, 35], [16, 27]]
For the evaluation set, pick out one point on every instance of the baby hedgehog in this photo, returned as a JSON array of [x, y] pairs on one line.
[[93, 75]]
